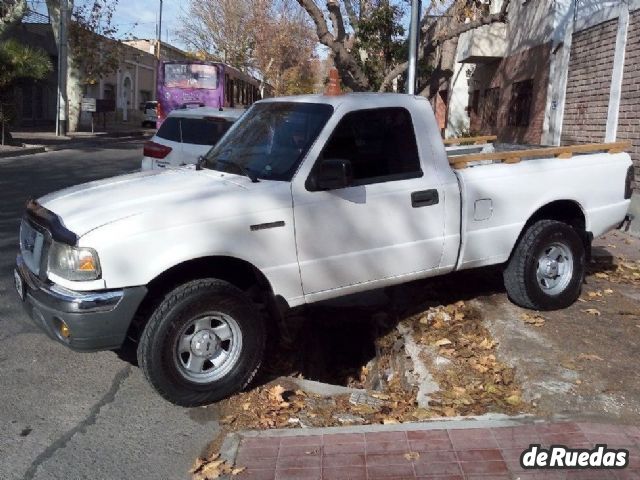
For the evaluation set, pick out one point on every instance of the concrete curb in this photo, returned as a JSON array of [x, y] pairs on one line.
[[70, 143], [92, 136], [22, 152], [634, 228]]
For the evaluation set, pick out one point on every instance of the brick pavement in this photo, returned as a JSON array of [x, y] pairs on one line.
[[433, 454]]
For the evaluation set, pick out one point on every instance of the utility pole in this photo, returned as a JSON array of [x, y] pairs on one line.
[[159, 32], [63, 58], [414, 38]]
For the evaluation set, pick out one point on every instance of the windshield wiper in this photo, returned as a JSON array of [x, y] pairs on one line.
[[245, 171]]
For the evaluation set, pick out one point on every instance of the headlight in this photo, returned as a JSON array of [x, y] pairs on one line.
[[79, 264]]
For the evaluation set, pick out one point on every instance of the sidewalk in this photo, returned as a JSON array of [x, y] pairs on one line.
[[39, 140], [450, 450], [48, 138]]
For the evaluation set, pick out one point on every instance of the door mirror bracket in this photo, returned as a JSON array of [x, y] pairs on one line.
[[331, 174]]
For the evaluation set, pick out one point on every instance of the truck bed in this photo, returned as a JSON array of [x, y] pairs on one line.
[[492, 218]]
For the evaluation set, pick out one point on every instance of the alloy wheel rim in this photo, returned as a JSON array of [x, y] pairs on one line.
[[208, 347], [554, 269]]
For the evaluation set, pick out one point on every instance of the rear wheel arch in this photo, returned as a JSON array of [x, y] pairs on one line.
[[565, 211]]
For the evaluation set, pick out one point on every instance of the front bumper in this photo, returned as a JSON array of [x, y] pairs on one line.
[[96, 320]]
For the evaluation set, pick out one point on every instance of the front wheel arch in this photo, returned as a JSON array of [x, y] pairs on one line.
[[239, 273]]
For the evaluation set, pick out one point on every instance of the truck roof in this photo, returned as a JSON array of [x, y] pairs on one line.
[[358, 100]]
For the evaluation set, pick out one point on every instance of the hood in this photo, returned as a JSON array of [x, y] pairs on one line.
[[86, 207]]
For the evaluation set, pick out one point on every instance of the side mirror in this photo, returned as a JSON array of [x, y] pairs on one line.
[[333, 174]]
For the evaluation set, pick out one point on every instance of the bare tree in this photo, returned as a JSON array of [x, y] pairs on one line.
[[463, 16], [284, 47], [273, 38], [221, 30]]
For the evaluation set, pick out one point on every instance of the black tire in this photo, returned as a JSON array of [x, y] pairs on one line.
[[158, 355], [521, 274]]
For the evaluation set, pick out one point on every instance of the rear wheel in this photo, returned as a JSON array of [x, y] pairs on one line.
[[547, 268], [204, 342]]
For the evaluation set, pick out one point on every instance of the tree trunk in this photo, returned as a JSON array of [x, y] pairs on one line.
[[351, 73], [74, 95], [73, 92]]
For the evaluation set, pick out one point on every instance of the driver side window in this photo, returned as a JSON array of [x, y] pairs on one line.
[[380, 144]]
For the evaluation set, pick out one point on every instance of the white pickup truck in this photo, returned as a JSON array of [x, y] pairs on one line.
[[304, 199]]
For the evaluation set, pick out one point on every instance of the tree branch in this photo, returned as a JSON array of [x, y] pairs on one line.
[[351, 13], [324, 35], [352, 75], [500, 17], [438, 39], [336, 19]]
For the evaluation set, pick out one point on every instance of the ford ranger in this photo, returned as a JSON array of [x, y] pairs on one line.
[[304, 199]]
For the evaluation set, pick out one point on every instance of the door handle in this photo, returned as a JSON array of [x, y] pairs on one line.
[[424, 198]]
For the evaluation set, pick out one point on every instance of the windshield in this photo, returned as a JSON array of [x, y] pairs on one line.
[[270, 139], [190, 75]]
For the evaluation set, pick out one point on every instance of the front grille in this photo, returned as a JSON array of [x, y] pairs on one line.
[[31, 246]]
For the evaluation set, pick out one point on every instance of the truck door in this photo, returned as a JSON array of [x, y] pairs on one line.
[[388, 222]]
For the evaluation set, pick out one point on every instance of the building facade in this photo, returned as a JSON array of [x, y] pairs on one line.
[[167, 52], [121, 93], [558, 72]]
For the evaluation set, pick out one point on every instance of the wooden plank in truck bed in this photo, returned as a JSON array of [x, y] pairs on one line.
[[469, 140], [516, 156]]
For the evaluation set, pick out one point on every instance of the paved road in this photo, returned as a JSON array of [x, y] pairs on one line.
[[65, 415]]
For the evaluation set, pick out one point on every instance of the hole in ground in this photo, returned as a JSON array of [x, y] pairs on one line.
[[331, 342]]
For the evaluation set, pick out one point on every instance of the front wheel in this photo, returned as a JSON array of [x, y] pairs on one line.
[[547, 268], [204, 342]]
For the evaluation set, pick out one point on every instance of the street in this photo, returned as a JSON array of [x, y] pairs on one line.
[[68, 415]]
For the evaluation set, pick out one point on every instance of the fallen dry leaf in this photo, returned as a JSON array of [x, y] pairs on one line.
[[443, 342], [412, 456], [197, 465], [238, 471], [381, 396], [449, 412], [487, 344], [533, 319], [591, 357], [513, 400], [276, 392]]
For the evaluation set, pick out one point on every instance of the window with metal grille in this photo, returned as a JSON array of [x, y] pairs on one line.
[[475, 102], [490, 104], [520, 106]]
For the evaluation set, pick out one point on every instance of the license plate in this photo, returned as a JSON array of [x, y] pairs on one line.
[[19, 284]]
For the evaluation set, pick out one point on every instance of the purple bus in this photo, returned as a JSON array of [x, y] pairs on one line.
[[194, 83]]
